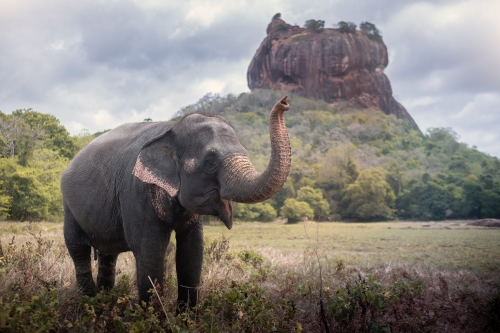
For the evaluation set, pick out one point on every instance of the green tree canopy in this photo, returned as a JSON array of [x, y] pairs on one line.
[[261, 211], [346, 27], [55, 137], [294, 210], [315, 199], [369, 198], [370, 30], [315, 25], [425, 201]]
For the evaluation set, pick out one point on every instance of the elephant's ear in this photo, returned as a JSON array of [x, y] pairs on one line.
[[156, 165]]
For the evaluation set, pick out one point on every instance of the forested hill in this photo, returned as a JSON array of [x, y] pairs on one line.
[[347, 163], [360, 165]]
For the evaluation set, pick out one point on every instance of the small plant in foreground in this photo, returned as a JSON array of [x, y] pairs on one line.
[[364, 304]]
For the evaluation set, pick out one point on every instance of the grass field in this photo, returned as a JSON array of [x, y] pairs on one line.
[[265, 277], [443, 245]]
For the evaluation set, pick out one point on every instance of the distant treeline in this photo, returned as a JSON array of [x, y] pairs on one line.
[[347, 164]]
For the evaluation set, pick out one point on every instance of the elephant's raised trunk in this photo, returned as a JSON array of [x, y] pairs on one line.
[[242, 183]]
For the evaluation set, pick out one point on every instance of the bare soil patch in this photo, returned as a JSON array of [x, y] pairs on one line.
[[494, 223]]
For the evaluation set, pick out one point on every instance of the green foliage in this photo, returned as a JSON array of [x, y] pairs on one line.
[[82, 139], [240, 307], [294, 210], [35, 151], [362, 305], [276, 16], [282, 27], [29, 200], [250, 257], [55, 137], [370, 30], [32, 193], [261, 211], [5, 198], [314, 197], [369, 198], [17, 139], [315, 25], [346, 27], [425, 201], [481, 197], [36, 315]]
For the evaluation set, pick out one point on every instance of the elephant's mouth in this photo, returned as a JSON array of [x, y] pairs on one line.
[[223, 208]]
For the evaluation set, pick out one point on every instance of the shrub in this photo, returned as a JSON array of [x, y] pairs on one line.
[[346, 27], [281, 27], [294, 210], [370, 197], [315, 25], [315, 199], [371, 31], [261, 211]]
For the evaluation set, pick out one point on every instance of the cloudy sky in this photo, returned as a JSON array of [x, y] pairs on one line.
[[95, 64]]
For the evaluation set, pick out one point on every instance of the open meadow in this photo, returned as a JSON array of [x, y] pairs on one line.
[[272, 277]]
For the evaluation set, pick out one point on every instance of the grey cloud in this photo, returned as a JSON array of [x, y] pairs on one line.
[[124, 60]]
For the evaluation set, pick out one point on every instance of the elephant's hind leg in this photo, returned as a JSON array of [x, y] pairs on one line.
[[79, 251], [107, 271]]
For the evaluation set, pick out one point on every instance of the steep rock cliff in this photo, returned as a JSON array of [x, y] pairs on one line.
[[327, 65]]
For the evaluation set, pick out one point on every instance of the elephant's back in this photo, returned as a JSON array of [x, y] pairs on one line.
[[97, 170]]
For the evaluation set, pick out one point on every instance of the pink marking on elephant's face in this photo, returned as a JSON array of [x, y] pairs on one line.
[[146, 175], [189, 165]]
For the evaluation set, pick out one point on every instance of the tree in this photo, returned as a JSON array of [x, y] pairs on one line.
[[346, 27], [51, 166], [30, 201], [55, 136], [261, 211], [490, 207], [473, 194], [7, 166], [276, 16], [371, 31], [315, 25], [369, 198], [314, 197], [294, 210], [82, 139], [17, 139]]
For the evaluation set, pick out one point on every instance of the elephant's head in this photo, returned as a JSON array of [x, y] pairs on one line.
[[202, 163]]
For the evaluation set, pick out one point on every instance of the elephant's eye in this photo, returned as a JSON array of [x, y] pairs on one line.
[[211, 163]]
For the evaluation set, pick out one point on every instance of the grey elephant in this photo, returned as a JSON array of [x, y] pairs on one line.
[[132, 186]]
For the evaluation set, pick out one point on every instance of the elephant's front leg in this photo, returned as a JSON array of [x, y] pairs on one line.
[[150, 264], [189, 259]]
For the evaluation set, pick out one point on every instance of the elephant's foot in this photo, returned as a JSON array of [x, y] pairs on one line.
[[107, 271], [85, 281]]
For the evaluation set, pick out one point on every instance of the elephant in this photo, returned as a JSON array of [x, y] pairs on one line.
[[129, 188]]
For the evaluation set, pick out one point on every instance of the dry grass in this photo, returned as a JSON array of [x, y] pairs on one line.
[[387, 277]]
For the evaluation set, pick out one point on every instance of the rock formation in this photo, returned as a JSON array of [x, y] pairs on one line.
[[327, 65]]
